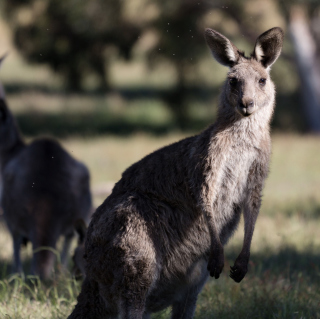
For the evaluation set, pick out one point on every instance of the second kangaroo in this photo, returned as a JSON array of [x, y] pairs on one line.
[[157, 237]]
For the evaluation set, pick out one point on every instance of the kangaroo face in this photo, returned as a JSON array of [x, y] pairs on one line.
[[248, 87]]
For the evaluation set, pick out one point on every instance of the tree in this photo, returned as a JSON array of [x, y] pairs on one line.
[[72, 37], [180, 41], [304, 24]]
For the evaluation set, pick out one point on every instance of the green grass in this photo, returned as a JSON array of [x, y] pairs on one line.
[[30, 298], [284, 275]]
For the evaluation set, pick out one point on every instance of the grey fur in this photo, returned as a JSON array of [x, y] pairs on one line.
[[156, 238], [44, 191]]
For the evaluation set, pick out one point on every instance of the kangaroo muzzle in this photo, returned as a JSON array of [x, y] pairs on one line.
[[246, 107]]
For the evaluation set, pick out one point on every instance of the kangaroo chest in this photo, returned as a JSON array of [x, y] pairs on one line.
[[231, 186]]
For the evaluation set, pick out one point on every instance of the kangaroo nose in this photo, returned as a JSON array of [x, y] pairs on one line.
[[246, 107], [247, 103]]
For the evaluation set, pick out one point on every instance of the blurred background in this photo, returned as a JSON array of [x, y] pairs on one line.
[[110, 66], [116, 79]]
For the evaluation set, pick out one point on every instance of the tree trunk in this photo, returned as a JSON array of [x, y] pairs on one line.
[[305, 53]]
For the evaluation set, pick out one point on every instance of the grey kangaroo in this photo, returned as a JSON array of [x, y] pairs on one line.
[[155, 240], [44, 190]]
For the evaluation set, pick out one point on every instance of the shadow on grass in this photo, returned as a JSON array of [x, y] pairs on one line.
[[284, 284], [288, 114], [86, 123], [287, 261], [306, 209]]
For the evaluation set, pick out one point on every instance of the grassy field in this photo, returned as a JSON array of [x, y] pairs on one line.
[[284, 276]]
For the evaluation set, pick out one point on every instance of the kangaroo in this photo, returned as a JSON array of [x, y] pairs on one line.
[[44, 190], [155, 240]]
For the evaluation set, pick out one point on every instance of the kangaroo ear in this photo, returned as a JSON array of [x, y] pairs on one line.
[[268, 47], [222, 49]]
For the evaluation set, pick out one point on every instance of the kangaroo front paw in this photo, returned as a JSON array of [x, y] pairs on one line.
[[215, 264], [239, 270]]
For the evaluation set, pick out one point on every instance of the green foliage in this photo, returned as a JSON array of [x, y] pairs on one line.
[[72, 37], [85, 42]]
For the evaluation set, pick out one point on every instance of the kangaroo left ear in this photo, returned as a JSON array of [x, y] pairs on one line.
[[268, 46]]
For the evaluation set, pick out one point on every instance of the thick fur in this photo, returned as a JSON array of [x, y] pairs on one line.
[[156, 238], [44, 191]]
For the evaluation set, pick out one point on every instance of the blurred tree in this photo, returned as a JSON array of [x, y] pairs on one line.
[[72, 37], [180, 41], [303, 18], [79, 38]]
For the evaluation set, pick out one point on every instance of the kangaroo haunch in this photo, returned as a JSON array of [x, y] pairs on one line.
[[155, 240]]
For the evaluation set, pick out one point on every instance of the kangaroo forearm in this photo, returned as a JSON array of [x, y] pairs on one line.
[[214, 236], [252, 205], [216, 256], [248, 233], [240, 268], [257, 175]]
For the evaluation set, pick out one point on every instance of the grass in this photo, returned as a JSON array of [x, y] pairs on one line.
[[30, 298], [284, 275]]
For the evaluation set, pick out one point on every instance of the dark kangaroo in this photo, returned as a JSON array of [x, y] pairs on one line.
[[157, 237], [44, 190]]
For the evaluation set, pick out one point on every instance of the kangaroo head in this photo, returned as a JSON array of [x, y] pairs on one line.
[[248, 88]]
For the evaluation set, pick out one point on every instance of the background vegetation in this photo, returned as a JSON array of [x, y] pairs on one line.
[[115, 80], [150, 54]]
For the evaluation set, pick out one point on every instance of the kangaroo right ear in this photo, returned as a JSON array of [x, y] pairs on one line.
[[222, 49]]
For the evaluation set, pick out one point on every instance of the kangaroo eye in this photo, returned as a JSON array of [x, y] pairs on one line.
[[262, 81], [233, 81]]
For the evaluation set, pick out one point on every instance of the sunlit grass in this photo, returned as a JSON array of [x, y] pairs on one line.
[[30, 298]]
